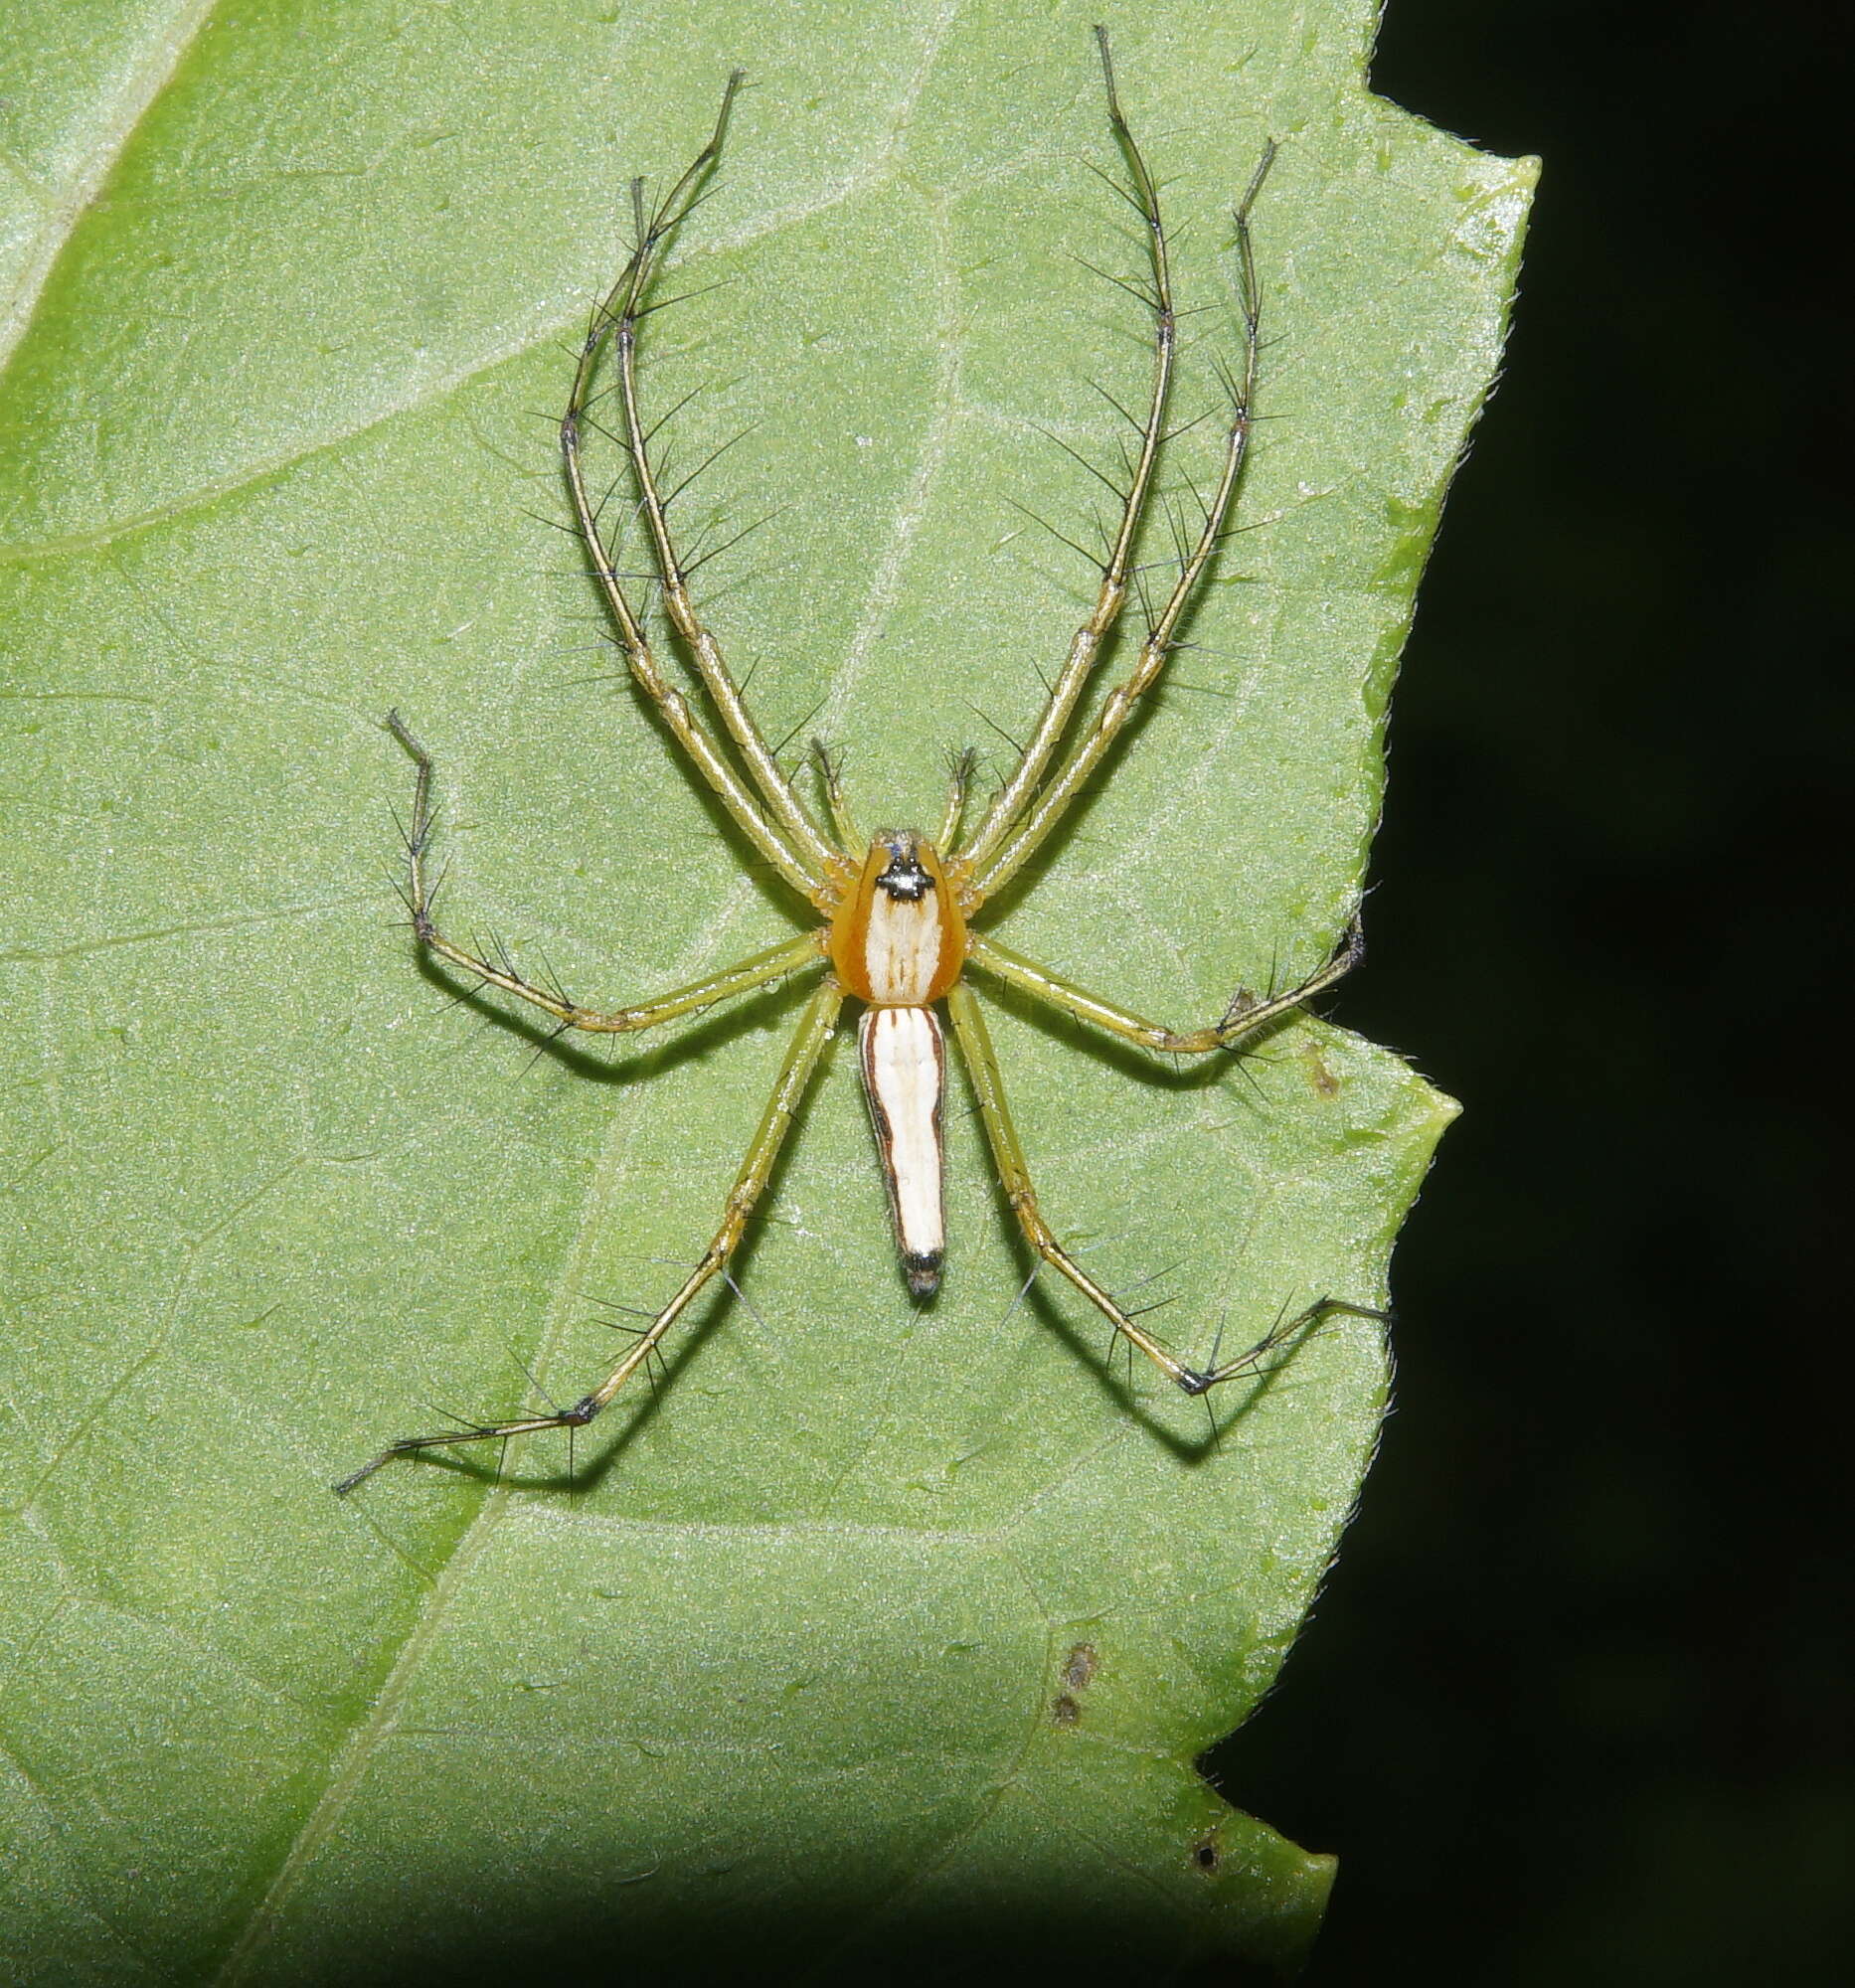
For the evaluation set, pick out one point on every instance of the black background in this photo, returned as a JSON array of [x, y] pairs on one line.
[[1574, 1706]]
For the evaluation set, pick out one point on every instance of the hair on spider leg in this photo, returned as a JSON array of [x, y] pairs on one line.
[[467, 1424], [1119, 1345], [986, 718], [550, 982], [1288, 1328], [654, 1362], [803, 724], [1104, 533], [1076, 456], [1183, 540], [564, 685], [411, 921], [639, 312], [560, 525], [1057, 578], [1154, 1278], [1143, 593], [708, 461], [1134, 421], [746, 1304], [1146, 1310], [549, 1038], [1185, 428], [646, 1312], [716, 592], [608, 545], [1130, 285], [669, 415], [534, 1379], [1199, 498], [1189, 228], [1120, 190], [692, 566], [1060, 537]]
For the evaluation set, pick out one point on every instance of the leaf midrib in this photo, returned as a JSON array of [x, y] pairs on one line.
[[144, 86]]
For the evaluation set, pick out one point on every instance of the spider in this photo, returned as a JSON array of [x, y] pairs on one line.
[[896, 908]]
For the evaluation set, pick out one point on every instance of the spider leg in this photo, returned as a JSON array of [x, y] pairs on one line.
[[803, 862], [960, 779], [1013, 797], [1280, 1334], [831, 775], [619, 319], [801, 1059], [1014, 1176], [1242, 1020], [1043, 813], [754, 972]]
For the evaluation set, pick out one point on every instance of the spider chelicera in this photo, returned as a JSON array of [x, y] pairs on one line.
[[896, 908]]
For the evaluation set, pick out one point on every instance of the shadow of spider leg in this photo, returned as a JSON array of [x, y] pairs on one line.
[[810, 1042]]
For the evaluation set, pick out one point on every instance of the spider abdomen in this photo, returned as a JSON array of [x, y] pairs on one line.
[[899, 937], [902, 1055]]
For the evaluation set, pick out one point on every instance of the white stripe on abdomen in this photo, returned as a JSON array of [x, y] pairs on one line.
[[904, 1059]]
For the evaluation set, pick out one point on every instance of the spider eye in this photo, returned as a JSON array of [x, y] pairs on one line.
[[905, 880]]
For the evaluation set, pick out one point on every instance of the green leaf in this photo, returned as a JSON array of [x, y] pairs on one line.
[[876, 1629]]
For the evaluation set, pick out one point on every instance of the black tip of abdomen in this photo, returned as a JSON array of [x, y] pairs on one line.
[[922, 1270]]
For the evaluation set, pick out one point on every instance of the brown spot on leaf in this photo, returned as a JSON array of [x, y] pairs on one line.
[[1079, 1668], [1205, 1854]]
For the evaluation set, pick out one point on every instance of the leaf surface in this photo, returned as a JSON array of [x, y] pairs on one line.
[[872, 1626]]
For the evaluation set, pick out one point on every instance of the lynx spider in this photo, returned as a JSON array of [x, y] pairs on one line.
[[896, 931]]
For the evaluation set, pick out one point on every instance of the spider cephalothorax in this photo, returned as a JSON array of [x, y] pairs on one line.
[[897, 932]]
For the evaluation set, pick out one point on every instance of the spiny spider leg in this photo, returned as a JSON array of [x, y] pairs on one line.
[[1278, 1334], [960, 779], [809, 873], [830, 773], [801, 1059], [1245, 1015], [618, 318], [1014, 796], [1054, 801], [1014, 1176], [754, 972]]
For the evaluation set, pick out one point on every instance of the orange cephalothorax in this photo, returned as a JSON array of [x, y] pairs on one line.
[[899, 937]]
